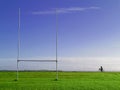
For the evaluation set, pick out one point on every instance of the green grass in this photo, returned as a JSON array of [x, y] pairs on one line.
[[67, 81]]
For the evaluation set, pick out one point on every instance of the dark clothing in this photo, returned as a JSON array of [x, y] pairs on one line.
[[101, 68]]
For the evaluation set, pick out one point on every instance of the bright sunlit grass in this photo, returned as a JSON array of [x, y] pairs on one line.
[[67, 81]]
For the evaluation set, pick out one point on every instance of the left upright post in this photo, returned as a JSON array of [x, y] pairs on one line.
[[18, 46]]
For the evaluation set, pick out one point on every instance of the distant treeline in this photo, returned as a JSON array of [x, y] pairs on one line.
[[30, 70]]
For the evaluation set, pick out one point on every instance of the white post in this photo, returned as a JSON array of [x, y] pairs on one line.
[[17, 71], [18, 48], [56, 46]]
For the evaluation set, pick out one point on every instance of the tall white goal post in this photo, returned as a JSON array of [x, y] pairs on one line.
[[18, 49]]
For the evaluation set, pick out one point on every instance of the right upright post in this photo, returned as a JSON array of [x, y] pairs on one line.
[[56, 45]]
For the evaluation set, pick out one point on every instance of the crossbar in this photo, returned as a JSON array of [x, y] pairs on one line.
[[37, 60]]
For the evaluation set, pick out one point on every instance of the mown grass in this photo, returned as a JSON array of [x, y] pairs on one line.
[[67, 81]]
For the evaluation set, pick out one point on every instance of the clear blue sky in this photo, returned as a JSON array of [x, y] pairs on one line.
[[86, 28]]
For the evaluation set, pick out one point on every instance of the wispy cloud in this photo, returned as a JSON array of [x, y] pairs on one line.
[[65, 10]]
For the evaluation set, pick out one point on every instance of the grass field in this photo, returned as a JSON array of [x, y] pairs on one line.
[[67, 81]]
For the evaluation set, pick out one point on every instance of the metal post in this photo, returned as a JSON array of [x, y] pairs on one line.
[[18, 48], [17, 71], [56, 46]]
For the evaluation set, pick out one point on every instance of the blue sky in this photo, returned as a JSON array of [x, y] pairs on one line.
[[86, 28]]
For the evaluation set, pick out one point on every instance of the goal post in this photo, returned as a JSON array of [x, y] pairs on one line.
[[25, 60]]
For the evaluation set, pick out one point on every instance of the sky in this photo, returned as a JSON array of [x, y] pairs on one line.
[[88, 33]]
